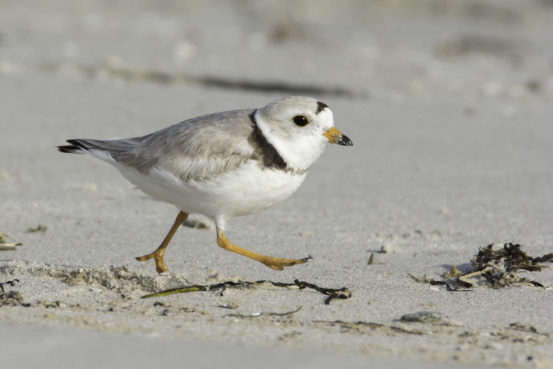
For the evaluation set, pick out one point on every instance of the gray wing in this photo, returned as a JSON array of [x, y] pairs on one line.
[[197, 149]]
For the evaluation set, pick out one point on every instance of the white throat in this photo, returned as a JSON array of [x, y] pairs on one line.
[[298, 152]]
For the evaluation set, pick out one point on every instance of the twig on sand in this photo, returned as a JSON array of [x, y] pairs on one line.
[[4, 245]]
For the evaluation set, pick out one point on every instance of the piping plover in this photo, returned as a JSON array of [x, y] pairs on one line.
[[225, 164]]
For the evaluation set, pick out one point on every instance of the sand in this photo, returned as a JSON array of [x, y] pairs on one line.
[[448, 104]]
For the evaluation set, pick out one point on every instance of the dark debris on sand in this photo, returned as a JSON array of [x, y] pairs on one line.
[[495, 266], [331, 293]]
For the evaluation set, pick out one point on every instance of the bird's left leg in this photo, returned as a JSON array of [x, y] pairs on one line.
[[158, 253]]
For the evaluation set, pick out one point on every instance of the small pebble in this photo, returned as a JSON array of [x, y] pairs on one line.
[[387, 247], [422, 317]]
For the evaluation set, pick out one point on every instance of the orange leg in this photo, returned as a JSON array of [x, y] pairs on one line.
[[157, 255], [271, 262]]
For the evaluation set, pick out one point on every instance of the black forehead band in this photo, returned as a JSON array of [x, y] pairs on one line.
[[320, 107]]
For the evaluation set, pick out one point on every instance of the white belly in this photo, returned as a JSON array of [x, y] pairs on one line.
[[246, 190]]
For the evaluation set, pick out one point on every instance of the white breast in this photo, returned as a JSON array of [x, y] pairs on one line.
[[246, 190]]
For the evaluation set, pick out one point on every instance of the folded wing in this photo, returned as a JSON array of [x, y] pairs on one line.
[[198, 149]]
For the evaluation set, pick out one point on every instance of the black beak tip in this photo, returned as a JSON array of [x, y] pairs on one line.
[[345, 141]]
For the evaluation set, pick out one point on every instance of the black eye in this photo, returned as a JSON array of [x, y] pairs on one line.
[[300, 120]]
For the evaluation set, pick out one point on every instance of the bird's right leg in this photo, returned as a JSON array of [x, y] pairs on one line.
[[270, 261]]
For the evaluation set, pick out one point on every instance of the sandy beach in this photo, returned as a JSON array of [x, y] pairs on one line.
[[449, 106]]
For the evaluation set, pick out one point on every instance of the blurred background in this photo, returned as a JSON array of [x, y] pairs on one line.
[[356, 48]]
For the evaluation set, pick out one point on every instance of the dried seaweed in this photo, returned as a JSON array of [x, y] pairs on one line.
[[39, 228], [12, 298], [541, 259], [450, 284], [423, 279], [496, 265], [11, 282], [332, 293]]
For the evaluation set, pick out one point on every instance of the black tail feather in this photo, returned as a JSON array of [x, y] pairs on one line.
[[75, 147]]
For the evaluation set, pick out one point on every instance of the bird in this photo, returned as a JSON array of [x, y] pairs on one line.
[[223, 165]]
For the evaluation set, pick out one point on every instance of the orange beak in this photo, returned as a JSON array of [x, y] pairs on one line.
[[333, 135]]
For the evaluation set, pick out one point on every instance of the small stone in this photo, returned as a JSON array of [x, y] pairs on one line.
[[387, 247], [422, 317]]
